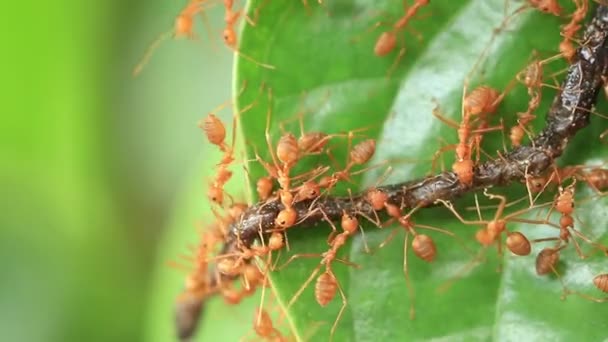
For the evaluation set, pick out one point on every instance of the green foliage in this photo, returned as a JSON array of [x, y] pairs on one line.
[[326, 69]]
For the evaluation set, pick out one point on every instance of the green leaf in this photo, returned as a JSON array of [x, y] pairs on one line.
[[326, 69]]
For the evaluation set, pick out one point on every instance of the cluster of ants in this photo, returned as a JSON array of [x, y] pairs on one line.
[[239, 272]]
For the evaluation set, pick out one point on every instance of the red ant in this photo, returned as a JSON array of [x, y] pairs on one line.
[[283, 160], [230, 264], [601, 283], [229, 35], [310, 143], [327, 284], [569, 30], [216, 134], [564, 204], [360, 154], [422, 244], [264, 188], [264, 328], [532, 78], [547, 6], [388, 39], [183, 27], [597, 179], [481, 101], [517, 243]]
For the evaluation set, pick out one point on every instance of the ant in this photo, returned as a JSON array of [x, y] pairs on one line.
[[285, 157], [532, 78], [492, 230], [327, 284], [310, 143], [377, 199], [359, 154], [564, 204], [597, 178], [264, 188], [215, 131], [183, 27], [228, 265], [231, 17], [601, 283], [546, 6], [423, 245], [546, 262], [482, 100], [388, 39], [569, 30], [264, 328]]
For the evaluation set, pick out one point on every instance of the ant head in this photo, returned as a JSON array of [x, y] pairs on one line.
[[464, 170], [231, 296], [567, 49], [550, 6], [496, 227], [537, 183], [286, 218], [215, 194], [264, 187], [310, 190], [484, 237], [349, 223], [229, 37]]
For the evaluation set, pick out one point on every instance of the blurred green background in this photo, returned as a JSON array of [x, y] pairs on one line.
[[93, 159]]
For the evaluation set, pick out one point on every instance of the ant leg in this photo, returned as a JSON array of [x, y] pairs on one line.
[[408, 282], [344, 304], [460, 218], [396, 62], [390, 238], [298, 256], [301, 289]]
